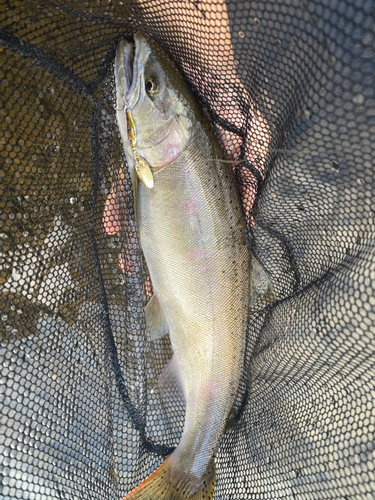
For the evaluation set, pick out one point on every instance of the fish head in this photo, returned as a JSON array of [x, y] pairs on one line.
[[162, 106]]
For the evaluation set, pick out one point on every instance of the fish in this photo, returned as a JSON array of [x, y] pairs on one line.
[[192, 232]]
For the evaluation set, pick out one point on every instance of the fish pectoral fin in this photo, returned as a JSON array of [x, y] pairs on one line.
[[170, 382], [158, 486], [156, 322]]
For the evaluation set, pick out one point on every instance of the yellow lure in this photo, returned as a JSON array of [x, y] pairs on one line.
[[142, 168], [131, 128]]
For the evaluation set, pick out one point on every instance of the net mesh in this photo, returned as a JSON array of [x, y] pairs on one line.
[[289, 87]]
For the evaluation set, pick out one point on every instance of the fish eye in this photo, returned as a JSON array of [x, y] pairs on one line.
[[153, 85]]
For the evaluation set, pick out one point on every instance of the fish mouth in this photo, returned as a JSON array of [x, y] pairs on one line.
[[128, 63], [130, 70], [135, 59], [124, 72]]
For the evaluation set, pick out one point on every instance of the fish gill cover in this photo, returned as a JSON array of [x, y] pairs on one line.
[[289, 89]]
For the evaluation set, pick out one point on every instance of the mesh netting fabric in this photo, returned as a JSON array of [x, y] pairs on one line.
[[289, 87]]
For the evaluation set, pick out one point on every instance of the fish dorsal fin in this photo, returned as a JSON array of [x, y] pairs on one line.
[[156, 322], [170, 382]]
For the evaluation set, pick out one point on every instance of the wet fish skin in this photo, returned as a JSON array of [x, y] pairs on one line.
[[192, 232]]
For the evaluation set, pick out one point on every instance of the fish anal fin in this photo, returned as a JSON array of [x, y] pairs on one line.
[[158, 486], [170, 382], [156, 322]]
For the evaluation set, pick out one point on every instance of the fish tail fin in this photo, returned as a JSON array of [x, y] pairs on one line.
[[158, 486]]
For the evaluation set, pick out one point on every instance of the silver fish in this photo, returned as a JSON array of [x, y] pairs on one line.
[[192, 232]]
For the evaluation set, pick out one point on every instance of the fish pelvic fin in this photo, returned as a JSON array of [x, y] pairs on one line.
[[156, 322], [158, 486]]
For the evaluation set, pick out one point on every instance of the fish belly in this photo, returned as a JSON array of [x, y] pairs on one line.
[[192, 234]]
